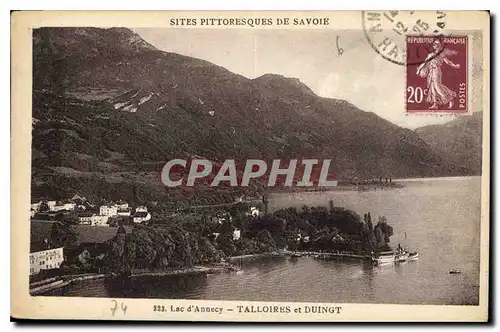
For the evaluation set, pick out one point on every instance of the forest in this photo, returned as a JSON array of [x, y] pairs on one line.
[[202, 239], [198, 239]]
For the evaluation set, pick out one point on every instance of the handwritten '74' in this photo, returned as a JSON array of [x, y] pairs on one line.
[[122, 306]]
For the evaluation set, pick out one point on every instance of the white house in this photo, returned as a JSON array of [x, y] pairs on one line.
[[69, 206], [122, 205], [63, 207], [141, 216], [51, 205], [109, 211], [141, 209], [124, 212], [236, 234], [46, 259], [94, 220], [254, 211], [36, 206]]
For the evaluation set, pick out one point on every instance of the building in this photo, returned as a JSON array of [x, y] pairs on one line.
[[87, 252], [46, 259], [122, 205], [222, 216], [81, 202], [141, 216], [85, 218], [141, 209], [125, 212], [108, 210], [93, 219], [236, 234], [254, 212], [36, 206], [51, 205], [99, 220], [69, 206]]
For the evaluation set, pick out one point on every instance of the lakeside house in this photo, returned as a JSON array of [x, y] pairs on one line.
[[45, 259], [90, 244]]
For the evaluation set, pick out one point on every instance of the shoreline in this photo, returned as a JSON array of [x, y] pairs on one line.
[[42, 287], [341, 187], [53, 283]]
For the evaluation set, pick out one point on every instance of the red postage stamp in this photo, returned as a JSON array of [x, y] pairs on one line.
[[436, 74]]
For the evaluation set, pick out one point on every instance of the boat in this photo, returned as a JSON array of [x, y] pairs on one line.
[[402, 257], [384, 257], [455, 271], [295, 255], [397, 256], [412, 256], [394, 256]]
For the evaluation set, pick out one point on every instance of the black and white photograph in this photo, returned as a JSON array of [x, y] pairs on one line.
[[261, 158]]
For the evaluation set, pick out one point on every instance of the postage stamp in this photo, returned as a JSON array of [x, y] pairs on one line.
[[439, 82]]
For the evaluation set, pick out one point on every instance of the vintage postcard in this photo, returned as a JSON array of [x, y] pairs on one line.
[[251, 166]]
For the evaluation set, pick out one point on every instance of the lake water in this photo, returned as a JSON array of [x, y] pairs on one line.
[[441, 218]]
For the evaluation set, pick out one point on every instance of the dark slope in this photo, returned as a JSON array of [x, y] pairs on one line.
[[460, 140], [105, 101]]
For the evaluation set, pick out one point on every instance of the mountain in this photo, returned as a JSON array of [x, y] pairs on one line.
[[109, 110], [460, 140]]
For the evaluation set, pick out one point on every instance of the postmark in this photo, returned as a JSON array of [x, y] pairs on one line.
[[439, 83], [386, 32]]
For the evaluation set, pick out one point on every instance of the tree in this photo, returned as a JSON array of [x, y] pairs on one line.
[[44, 207], [62, 235], [383, 232], [226, 244], [265, 241], [292, 241]]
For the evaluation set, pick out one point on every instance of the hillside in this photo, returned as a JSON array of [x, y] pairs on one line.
[[109, 110], [460, 140]]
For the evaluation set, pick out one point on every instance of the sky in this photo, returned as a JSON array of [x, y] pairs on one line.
[[359, 75]]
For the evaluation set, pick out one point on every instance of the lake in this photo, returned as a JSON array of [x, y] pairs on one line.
[[441, 218]]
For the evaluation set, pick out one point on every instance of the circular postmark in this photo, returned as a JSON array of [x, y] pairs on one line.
[[387, 33]]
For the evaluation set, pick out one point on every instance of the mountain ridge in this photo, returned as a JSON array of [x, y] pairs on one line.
[[101, 93], [459, 140]]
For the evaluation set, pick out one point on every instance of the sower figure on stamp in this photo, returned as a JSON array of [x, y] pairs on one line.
[[438, 93]]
